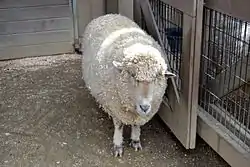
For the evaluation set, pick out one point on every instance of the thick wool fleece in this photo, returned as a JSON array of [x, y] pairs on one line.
[[105, 40]]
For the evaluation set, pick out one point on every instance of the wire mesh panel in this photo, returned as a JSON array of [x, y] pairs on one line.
[[225, 73], [169, 22]]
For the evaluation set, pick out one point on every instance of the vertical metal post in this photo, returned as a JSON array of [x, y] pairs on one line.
[[75, 24]]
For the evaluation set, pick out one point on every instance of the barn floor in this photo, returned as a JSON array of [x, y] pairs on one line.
[[48, 118]]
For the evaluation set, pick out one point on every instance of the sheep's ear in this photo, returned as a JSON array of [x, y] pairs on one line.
[[169, 74], [118, 65]]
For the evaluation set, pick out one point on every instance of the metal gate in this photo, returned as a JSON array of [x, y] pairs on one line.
[[35, 28]]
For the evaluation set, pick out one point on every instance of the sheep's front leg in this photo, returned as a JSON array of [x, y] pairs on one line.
[[135, 137], [118, 138]]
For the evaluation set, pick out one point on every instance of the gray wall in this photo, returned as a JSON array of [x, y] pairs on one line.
[[45, 27], [35, 27]]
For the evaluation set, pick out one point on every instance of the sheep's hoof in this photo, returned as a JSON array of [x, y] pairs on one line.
[[136, 144], [118, 150]]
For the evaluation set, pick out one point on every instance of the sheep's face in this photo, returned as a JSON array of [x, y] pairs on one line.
[[143, 96], [143, 72]]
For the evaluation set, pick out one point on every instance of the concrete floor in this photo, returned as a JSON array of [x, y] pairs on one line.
[[48, 118]]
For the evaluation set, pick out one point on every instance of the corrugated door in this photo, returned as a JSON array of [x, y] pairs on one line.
[[35, 28]]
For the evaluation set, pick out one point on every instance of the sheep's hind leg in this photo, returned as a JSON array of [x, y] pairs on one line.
[[118, 138], [135, 137]]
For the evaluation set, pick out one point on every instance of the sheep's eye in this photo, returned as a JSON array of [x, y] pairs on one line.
[[132, 75]]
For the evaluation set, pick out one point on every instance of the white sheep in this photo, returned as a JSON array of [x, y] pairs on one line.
[[126, 73]]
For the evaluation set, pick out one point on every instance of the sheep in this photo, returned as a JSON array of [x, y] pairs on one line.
[[124, 69]]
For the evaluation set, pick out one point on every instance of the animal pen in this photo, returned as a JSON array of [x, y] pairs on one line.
[[207, 46]]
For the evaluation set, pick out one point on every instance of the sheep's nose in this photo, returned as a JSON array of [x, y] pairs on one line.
[[145, 107]]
